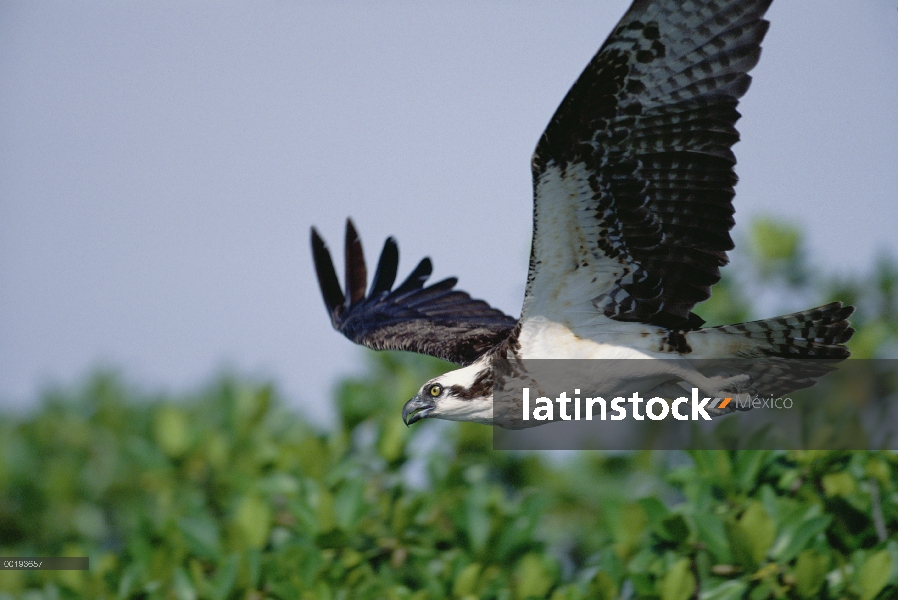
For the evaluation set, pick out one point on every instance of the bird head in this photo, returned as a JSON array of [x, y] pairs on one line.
[[465, 394]]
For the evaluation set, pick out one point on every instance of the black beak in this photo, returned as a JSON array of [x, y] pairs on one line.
[[416, 409]]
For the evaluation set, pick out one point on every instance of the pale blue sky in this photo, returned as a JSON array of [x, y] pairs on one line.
[[161, 163]]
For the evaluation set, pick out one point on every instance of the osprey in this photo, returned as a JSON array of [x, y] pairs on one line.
[[633, 186]]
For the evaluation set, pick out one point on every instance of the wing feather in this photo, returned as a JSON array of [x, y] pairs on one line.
[[416, 278], [633, 177], [356, 273], [327, 276], [387, 267]]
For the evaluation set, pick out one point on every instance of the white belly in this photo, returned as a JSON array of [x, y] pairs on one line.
[[543, 338], [612, 346]]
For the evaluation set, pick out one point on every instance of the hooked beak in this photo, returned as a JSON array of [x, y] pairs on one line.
[[416, 409]]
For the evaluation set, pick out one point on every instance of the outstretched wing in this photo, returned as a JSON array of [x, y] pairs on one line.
[[436, 320], [633, 177]]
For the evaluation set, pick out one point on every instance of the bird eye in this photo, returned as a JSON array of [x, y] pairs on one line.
[[435, 390]]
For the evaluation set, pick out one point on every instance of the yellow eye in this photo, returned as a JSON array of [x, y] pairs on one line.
[[435, 390]]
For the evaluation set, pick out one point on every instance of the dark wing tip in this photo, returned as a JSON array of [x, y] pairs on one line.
[[847, 311], [356, 273], [417, 278], [327, 276], [350, 229], [387, 266]]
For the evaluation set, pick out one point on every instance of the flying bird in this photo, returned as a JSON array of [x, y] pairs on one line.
[[633, 186]]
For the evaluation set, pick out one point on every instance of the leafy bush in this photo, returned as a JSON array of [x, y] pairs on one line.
[[225, 494], [228, 495]]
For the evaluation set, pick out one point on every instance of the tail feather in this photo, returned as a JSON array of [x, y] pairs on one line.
[[816, 333]]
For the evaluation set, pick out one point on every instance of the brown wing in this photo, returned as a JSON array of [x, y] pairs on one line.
[[437, 320]]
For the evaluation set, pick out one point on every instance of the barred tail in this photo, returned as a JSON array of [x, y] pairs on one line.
[[816, 333]]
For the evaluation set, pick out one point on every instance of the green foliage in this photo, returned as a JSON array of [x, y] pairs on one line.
[[226, 494], [777, 250]]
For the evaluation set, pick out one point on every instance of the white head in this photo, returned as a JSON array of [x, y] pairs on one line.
[[464, 394]]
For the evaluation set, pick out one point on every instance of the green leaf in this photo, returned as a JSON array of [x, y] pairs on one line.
[[878, 468], [226, 577], [349, 504], [794, 539], [253, 567], [183, 587], [810, 573], [324, 511], [712, 533], [839, 484], [874, 574], [678, 583], [171, 431], [201, 534], [629, 527], [675, 529], [393, 436], [477, 519], [602, 587], [747, 465], [253, 519], [466, 581], [654, 509], [128, 581], [534, 578], [667, 526], [728, 590], [752, 535]]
